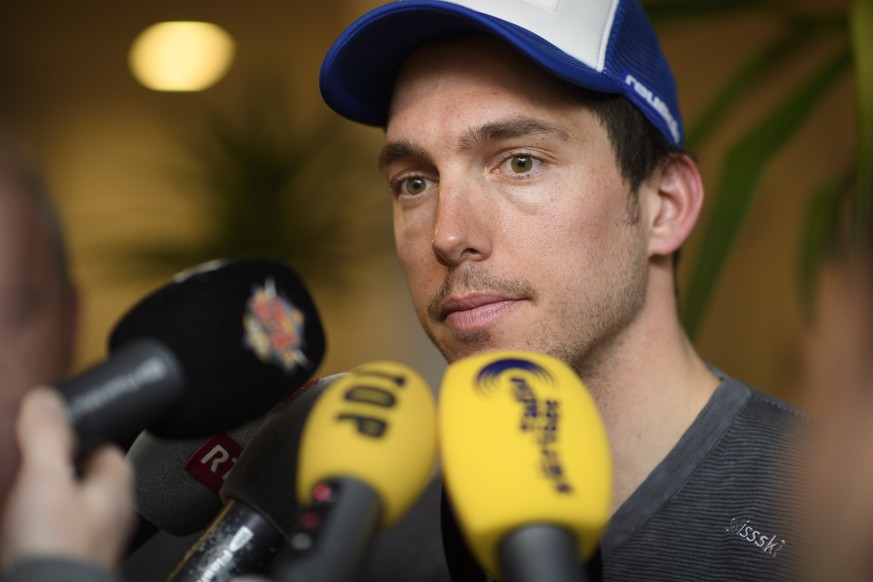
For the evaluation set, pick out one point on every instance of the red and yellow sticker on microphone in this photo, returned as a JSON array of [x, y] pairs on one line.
[[274, 328]]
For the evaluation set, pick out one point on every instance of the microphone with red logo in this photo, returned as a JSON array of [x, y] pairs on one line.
[[367, 452], [527, 465], [258, 495], [177, 483], [218, 346]]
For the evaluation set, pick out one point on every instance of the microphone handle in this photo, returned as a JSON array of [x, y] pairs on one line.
[[540, 552], [333, 535], [100, 402], [239, 541]]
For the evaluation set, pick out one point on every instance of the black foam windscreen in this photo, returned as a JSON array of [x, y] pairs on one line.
[[169, 492], [265, 476], [246, 333]]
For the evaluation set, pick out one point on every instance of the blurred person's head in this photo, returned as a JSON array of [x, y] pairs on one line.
[[38, 307], [839, 385], [37, 297]]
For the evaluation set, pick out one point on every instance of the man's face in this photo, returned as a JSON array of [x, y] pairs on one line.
[[510, 214], [37, 316], [35, 310]]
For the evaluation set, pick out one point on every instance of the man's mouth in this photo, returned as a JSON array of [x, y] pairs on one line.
[[476, 311]]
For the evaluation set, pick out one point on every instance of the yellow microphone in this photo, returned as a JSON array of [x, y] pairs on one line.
[[526, 462], [367, 452]]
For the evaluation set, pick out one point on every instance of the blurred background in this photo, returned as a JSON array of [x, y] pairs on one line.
[[148, 182]]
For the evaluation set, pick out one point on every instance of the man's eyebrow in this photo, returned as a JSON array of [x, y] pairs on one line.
[[520, 127], [395, 150]]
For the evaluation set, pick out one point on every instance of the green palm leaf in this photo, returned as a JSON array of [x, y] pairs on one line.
[[672, 11], [741, 175], [861, 15], [745, 80]]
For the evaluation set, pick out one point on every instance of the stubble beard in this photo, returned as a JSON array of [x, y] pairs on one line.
[[601, 325], [472, 277], [590, 327]]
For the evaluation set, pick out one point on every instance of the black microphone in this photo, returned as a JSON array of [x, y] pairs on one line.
[[368, 449], [216, 347], [177, 483], [259, 504]]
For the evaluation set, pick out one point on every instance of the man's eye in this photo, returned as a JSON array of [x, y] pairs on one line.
[[414, 186], [521, 164]]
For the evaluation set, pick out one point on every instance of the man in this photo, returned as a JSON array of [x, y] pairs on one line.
[[55, 523], [38, 304], [839, 370], [540, 191]]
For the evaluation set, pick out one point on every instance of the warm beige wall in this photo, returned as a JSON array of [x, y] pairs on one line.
[[109, 146], [105, 143], [754, 328]]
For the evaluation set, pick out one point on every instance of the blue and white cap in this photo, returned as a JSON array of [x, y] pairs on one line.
[[608, 46]]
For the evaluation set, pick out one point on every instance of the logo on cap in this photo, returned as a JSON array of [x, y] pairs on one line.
[[274, 328]]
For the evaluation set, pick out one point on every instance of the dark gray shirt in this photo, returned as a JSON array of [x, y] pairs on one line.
[[718, 507], [725, 503]]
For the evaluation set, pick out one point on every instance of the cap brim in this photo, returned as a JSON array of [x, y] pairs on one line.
[[357, 76]]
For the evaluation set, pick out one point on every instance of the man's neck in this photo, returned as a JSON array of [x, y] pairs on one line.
[[649, 391]]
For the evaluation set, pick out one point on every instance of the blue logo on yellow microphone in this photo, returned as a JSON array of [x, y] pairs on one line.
[[540, 415], [488, 377]]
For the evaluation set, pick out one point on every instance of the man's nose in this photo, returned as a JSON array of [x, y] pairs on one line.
[[462, 226]]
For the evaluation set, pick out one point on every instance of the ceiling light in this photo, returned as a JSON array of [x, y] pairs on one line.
[[181, 56]]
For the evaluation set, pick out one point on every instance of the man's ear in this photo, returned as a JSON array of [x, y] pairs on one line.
[[675, 193]]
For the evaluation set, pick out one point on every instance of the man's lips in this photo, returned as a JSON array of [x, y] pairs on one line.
[[475, 312]]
